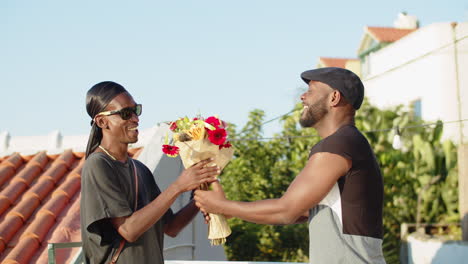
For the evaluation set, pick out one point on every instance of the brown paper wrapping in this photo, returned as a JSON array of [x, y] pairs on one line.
[[195, 151]]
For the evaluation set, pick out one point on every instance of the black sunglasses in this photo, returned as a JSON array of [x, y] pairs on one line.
[[125, 113]]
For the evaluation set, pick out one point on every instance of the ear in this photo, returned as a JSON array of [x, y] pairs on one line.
[[102, 122], [335, 98]]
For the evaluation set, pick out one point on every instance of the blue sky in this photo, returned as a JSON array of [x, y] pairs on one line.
[[177, 58]]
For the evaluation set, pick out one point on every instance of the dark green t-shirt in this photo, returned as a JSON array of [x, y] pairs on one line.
[[108, 191]]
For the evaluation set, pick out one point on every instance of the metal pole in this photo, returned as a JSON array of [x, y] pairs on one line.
[[457, 82], [51, 254], [463, 189]]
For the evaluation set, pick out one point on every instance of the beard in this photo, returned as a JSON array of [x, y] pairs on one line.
[[314, 113]]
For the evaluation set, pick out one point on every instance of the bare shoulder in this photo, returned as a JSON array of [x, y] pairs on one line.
[[334, 163], [320, 174]]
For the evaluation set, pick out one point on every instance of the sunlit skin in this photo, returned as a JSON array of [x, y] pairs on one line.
[[117, 134], [313, 113], [311, 185]]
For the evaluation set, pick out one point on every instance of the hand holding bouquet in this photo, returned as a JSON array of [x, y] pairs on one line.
[[198, 139]]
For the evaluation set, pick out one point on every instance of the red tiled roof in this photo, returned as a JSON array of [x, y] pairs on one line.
[[335, 62], [388, 34], [39, 204]]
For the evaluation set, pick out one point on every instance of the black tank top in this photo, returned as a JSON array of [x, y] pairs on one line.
[[361, 189]]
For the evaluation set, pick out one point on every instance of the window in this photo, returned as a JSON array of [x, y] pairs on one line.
[[365, 66], [416, 107]]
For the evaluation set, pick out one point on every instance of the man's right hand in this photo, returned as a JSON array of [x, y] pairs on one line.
[[196, 175]]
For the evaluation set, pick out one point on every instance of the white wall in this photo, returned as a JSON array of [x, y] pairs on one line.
[[227, 262], [433, 251], [55, 143], [415, 67]]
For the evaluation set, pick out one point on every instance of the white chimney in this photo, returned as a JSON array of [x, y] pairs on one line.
[[4, 141], [55, 140], [405, 21]]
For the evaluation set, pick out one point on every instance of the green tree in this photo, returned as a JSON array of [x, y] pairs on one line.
[[420, 177], [263, 169]]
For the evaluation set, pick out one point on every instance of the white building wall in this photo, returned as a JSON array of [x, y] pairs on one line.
[[430, 251], [55, 143], [418, 67]]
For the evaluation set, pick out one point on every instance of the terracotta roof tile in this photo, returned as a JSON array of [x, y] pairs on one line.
[[9, 226], [55, 205], [335, 62], [39, 203], [23, 251], [4, 204], [40, 226], [70, 186], [134, 151], [66, 230], [25, 208], [24, 178], [388, 34], [9, 166], [42, 188], [13, 191], [2, 245]]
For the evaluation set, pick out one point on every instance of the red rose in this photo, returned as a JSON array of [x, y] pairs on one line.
[[213, 121], [173, 126], [171, 151], [217, 136]]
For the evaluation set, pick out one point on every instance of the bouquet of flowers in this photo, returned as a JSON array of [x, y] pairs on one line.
[[198, 139]]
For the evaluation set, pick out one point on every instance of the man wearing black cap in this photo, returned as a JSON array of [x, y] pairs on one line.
[[340, 189]]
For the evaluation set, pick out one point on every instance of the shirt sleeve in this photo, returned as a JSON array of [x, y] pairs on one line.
[[342, 143], [104, 196]]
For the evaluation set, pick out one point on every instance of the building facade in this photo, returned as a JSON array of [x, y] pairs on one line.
[[425, 70]]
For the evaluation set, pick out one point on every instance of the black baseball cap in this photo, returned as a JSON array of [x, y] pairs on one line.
[[345, 81]]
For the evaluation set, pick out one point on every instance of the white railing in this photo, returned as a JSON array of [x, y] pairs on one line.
[[224, 262]]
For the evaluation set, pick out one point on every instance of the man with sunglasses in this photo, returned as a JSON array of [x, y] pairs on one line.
[[124, 215]]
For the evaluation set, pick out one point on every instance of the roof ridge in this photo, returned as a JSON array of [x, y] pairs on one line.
[[340, 58], [387, 27], [388, 34]]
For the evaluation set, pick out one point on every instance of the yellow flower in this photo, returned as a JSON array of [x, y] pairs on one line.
[[197, 132]]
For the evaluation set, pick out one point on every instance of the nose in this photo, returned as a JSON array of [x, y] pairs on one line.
[[135, 118], [303, 96]]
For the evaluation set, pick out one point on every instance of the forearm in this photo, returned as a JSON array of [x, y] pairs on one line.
[[273, 211], [181, 219], [132, 227]]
